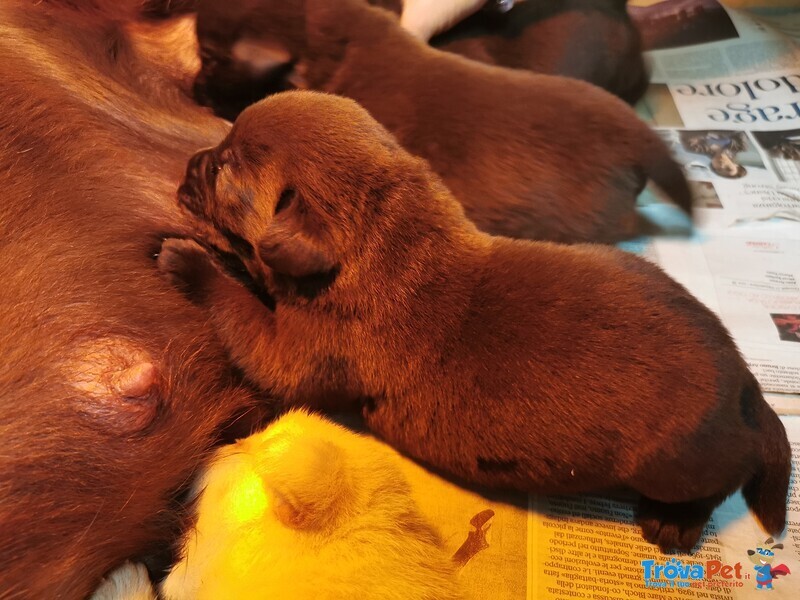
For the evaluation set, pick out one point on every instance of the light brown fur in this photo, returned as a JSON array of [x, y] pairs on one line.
[[306, 510], [507, 363]]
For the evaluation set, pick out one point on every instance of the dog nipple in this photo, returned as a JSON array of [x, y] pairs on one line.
[[136, 381], [116, 381]]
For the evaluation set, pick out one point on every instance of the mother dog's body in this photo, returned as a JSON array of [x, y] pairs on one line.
[[112, 385]]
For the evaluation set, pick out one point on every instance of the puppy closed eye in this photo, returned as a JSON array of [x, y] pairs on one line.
[[214, 166], [285, 200]]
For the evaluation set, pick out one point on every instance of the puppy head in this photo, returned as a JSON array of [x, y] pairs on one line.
[[247, 51], [303, 471], [252, 48], [296, 186]]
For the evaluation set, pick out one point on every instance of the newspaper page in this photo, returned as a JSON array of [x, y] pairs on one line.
[[589, 548], [487, 537], [692, 39], [512, 547], [733, 123]]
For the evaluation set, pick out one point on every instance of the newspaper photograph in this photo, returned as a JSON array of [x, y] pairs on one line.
[[692, 39]]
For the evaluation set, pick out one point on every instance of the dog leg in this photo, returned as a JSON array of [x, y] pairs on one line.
[[677, 525], [243, 323]]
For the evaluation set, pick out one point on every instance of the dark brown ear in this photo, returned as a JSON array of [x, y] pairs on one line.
[[288, 249]]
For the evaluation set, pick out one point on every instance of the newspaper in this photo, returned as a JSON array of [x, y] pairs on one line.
[[693, 39], [726, 99], [588, 547]]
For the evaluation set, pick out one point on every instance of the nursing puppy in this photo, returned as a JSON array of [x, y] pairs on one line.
[[529, 156], [304, 510], [308, 510], [592, 40], [508, 363]]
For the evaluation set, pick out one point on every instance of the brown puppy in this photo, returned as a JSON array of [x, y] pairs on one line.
[[113, 385], [530, 156], [592, 40], [526, 365]]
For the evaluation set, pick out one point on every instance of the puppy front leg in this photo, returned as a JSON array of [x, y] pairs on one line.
[[244, 325]]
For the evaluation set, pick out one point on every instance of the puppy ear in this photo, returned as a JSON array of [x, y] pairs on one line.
[[308, 482], [288, 249]]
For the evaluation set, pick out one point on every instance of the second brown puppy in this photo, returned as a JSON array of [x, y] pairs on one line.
[[528, 156], [526, 365], [591, 40]]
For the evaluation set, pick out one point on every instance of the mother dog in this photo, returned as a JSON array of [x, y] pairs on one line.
[[113, 386]]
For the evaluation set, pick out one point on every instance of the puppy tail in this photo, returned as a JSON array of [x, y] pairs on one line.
[[767, 491], [661, 168]]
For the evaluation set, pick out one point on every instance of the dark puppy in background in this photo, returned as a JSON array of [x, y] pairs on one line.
[[529, 156], [507, 363], [592, 40]]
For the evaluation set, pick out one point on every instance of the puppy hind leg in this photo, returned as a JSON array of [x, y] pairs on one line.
[[676, 525]]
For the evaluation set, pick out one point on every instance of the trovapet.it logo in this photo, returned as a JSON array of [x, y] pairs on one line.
[[675, 573]]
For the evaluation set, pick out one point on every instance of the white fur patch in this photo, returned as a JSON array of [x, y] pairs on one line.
[[128, 582]]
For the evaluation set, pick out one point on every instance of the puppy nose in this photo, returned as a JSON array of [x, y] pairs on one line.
[[189, 198]]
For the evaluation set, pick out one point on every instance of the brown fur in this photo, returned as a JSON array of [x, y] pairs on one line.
[[530, 156], [113, 386], [507, 363], [592, 40]]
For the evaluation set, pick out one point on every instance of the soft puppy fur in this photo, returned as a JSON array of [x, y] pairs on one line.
[[529, 156], [592, 40], [308, 510], [508, 363]]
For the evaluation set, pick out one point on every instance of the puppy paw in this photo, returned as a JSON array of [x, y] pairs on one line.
[[188, 267], [674, 526]]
